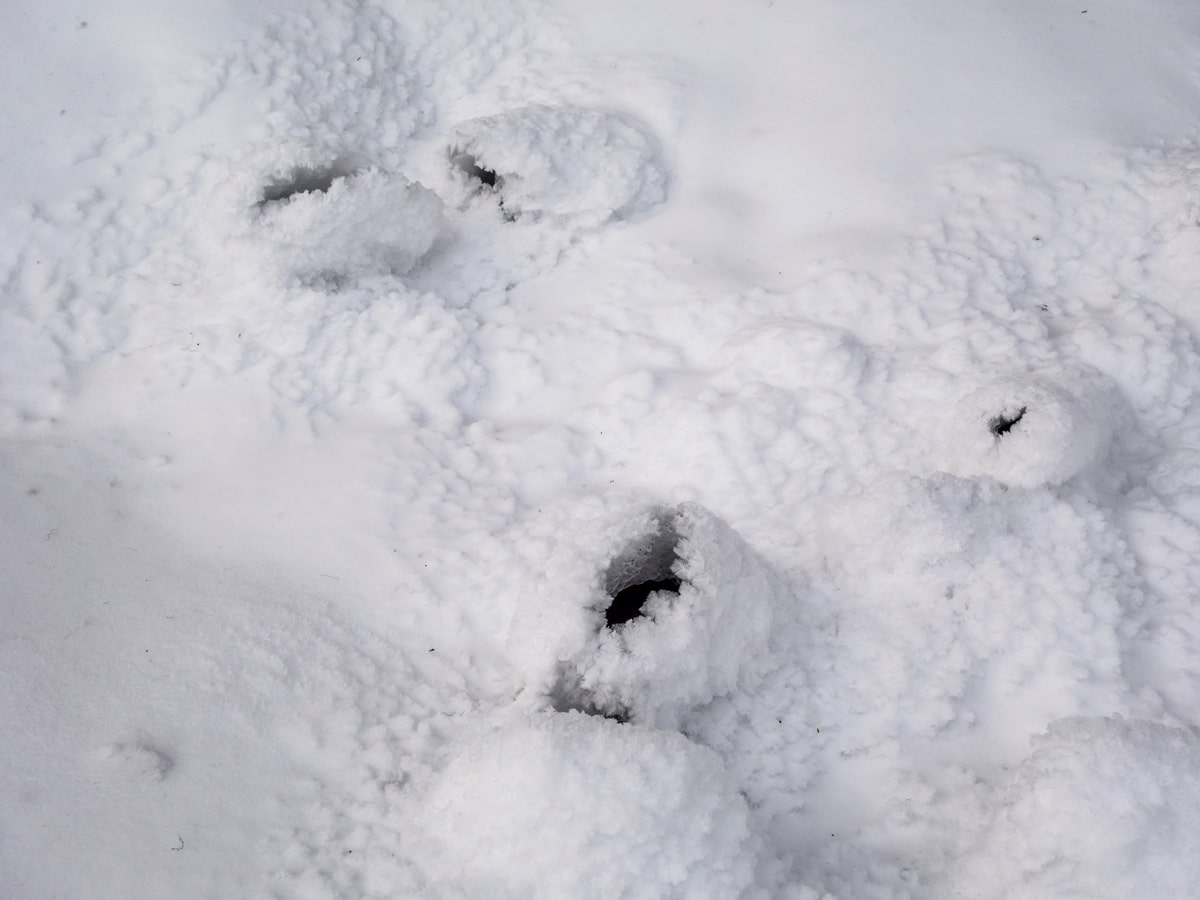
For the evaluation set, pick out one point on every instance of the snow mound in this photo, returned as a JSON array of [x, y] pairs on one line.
[[1105, 808], [324, 223], [661, 613], [566, 805], [562, 161], [1029, 430]]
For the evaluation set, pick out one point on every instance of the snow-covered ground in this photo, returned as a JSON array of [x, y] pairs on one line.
[[360, 360]]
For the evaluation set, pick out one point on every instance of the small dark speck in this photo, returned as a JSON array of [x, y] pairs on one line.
[[83, 24], [431, 649]]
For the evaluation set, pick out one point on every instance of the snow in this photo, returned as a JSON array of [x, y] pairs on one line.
[[689, 643], [537, 449], [582, 780], [564, 161]]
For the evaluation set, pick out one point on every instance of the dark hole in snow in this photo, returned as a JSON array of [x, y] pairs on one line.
[[304, 180], [487, 176], [643, 570], [466, 162], [640, 571], [1003, 423], [567, 696], [628, 602]]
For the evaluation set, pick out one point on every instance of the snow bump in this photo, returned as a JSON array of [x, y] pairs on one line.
[[669, 610], [320, 224], [574, 806], [563, 161], [1029, 430]]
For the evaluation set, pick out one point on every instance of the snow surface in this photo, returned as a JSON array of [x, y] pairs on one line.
[[353, 355]]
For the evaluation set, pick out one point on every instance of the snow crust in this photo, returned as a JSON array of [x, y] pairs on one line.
[[356, 357]]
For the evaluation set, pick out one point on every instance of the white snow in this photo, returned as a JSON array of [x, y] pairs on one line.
[[580, 782], [563, 161], [360, 360]]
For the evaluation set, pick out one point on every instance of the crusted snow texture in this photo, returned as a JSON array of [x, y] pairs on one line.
[[630, 812], [1104, 808], [566, 161], [686, 648], [652, 558]]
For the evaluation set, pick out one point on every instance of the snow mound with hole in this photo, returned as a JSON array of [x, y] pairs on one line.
[[568, 805], [683, 650], [565, 161], [1105, 808], [1029, 430], [363, 224]]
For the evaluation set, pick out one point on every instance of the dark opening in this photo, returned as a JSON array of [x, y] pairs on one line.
[[1003, 423], [643, 569], [487, 176], [466, 162], [628, 602], [304, 180], [568, 696]]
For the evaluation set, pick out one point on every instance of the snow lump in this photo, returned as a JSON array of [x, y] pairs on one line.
[[1029, 430], [319, 224], [565, 161], [646, 616], [568, 805]]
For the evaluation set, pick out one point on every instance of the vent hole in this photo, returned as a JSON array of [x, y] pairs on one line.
[[643, 569], [304, 180], [1003, 423], [487, 176], [469, 164], [628, 602]]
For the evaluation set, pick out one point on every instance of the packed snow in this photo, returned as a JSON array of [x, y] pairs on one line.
[[536, 449]]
